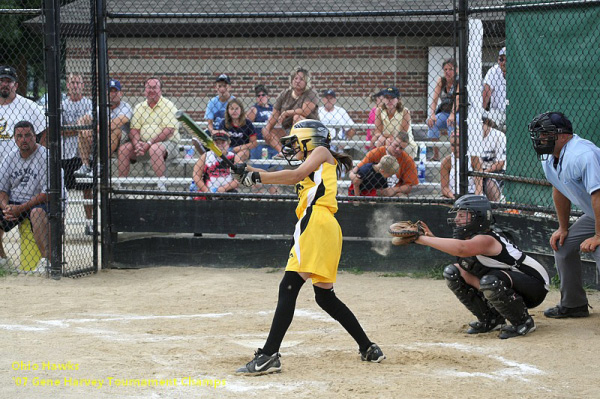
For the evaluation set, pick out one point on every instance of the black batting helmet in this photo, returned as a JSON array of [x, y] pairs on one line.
[[480, 217]]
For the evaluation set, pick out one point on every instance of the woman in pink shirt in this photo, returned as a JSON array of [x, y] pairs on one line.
[[377, 97]]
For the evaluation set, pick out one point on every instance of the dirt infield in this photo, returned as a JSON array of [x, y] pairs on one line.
[[182, 332]]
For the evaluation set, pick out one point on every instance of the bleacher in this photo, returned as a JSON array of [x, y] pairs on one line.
[[180, 169]]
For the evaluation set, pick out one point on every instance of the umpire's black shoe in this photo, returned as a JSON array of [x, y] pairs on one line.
[[516, 331], [262, 364], [480, 327], [373, 354], [561, 312]]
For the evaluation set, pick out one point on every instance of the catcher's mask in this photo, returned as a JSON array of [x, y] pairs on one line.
[[305, 136], [544, 130], [479, 219]]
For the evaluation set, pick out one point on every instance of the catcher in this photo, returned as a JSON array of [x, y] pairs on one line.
[[493, 278]]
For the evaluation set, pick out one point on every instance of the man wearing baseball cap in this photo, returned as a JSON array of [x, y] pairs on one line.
[[215, 110], [15, 108], [494, 91], [120, 113], [331, 114]]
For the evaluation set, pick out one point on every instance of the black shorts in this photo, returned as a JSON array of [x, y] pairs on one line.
[[69, 166], [7, 225], [530, 288]]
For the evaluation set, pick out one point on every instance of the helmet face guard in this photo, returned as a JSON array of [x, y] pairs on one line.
[[544, 130], [478, 216], [289, 148]]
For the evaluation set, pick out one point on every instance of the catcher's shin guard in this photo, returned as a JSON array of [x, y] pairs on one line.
[[504, 299], [472, 298]]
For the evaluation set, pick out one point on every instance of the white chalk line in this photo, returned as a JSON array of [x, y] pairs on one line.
[[511, 369]]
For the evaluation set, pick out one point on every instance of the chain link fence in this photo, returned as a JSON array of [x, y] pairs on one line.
[[235, 71], [445, 88], [25, 180], [79, 135], [24, 228], [370, 72]]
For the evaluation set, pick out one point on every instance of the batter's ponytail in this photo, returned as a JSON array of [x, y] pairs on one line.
[[344, 161]]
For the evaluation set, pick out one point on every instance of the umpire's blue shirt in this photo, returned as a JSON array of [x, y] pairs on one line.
[[577, 174]]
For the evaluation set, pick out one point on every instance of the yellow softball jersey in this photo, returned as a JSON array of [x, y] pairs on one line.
[[317, 245]]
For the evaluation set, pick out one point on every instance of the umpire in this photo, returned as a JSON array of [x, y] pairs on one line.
[[572, 166]]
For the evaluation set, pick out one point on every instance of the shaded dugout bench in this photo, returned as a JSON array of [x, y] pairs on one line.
[[158, 232]]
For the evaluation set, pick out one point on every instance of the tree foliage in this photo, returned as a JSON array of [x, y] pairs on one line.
[[20, 46]]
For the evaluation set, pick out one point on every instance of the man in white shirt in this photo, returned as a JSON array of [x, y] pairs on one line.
[[491, 150], [494, 91], [120, 115], [15, 108], [331, 114], [76, 112]]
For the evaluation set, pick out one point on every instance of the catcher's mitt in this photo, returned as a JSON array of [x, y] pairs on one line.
[[406, 232]]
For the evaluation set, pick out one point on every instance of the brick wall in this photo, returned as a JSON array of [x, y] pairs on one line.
[[354, 67]]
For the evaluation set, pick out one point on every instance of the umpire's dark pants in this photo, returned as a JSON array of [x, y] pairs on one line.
[[568, 263]]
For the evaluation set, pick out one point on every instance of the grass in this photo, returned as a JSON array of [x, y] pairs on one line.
[[555, 283], [274, 270], [434, 273], [354, 270]]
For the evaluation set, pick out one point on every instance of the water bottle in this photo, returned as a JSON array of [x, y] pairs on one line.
[[423, 153], [193, 188], [265, 153], [421, 172]]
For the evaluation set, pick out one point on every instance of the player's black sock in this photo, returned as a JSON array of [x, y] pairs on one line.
[[286, 304], [330, 303]]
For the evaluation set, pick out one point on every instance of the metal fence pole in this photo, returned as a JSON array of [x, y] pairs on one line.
[[52, 50], [104, 134], [463, 38]]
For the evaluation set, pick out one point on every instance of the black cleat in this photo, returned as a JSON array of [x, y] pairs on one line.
[[372, 354], [480, 327], [262, 364], [516, 331], [560, 312]]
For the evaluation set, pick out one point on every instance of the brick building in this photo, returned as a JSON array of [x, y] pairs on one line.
[[356, 50]]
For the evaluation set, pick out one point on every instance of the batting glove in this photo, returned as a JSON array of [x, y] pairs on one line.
[[249, 179], [238, 170]]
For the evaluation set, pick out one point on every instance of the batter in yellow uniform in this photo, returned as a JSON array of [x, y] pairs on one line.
[[317, 237], [317, 246]]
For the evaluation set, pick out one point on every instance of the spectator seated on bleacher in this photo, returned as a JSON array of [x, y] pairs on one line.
[[261, 112], [76, 109], [374, 176], [292, 105], [120, 114], [240, 129], [393, 118], [491, 149], [24, 191], [405, 179], [331, 114], [215, 109], [377, 98], [154, 133], [210, 172]]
